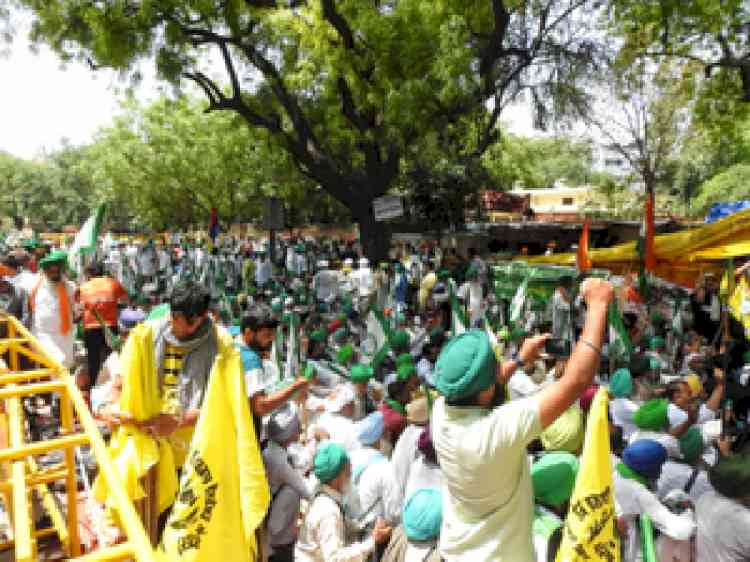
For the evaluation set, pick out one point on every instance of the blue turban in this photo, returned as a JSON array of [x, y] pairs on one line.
[[466, 365], [423, 515], [621, 383], [370, 429], [330, 459], [645, 457]]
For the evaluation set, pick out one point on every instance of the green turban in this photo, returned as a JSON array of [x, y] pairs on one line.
[[466, 365], [443, 274], [746, 357], [621, 383], [652, 415], [405, 371], [329, 461], [404, 359], [566, 432], [471, 272], [399, 339], [691, 445], [656, 343], [423, 515], [345, 354], [553, 477], [360, 373], [58, 257], [319, 336]]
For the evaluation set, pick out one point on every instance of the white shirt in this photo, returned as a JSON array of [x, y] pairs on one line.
[[520, 386], [326, 283], [263, 271], [423, 474], [675, 476], [365, 282], [321, 538], [340, 429], [376, 489], [677, 416], [633, 499], [404, 454], [622, 411], [488, 498], [472, 290], [46, 322], [722, 529]]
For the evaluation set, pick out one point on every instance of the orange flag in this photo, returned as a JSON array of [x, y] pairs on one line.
[[649, 251], [583, 261]]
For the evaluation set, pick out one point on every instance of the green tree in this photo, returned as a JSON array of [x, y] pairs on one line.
[[538, 162], [733, 184], [52, 192], [170, 163], [712, 33], [348, 89]]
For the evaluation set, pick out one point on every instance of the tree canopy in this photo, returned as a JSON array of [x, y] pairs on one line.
[[348, 89]]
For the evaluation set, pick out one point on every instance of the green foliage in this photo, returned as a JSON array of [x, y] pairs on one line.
[[711, 32], [170, 163], [733, 184], [535, 163], [52, 192], [350, 90]]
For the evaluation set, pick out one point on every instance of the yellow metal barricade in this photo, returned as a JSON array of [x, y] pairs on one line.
[[26, 370]]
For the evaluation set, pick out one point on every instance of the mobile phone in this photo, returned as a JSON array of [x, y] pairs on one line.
[[557, 347]]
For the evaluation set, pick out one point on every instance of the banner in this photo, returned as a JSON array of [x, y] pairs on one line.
[[223, 494], [590, 532]]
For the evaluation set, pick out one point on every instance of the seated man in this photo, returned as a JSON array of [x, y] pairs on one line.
[[321, 538]]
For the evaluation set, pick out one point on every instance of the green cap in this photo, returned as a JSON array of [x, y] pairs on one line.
[[553, 477], [404, 359], [58, 257], [405, 371], [345, 354], [330, 459], [319, 335], [399, 339], [652, 415], [466, 365], [361, 373]]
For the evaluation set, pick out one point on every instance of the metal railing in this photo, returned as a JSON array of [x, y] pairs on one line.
[[26, 369]]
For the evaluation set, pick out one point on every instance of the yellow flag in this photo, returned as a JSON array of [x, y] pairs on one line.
[[133, 451], [589, 532], [223, 495]]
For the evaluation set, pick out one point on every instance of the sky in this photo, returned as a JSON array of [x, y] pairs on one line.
[[43, 101]]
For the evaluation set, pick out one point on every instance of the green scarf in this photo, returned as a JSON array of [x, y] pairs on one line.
[[396, 406], [626, 472]]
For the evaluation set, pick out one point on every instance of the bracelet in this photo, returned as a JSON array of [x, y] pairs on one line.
[[591, 345]]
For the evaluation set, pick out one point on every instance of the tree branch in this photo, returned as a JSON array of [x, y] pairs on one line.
[[338, 22]]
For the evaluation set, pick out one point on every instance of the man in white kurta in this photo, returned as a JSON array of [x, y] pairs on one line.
[[47, 310]]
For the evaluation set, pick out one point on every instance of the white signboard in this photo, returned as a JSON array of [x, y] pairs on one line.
[[388, 207]]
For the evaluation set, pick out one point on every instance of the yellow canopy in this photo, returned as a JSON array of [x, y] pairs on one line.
[[682, 256]]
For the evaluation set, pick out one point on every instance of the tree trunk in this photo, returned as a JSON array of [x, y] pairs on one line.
[[374, 236]]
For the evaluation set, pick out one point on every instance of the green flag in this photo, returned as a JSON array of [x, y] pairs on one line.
[[619, 340]]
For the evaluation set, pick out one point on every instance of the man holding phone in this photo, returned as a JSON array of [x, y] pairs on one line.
[[481, 442]]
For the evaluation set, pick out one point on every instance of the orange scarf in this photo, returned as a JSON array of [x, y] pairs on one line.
[[65, 308]]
